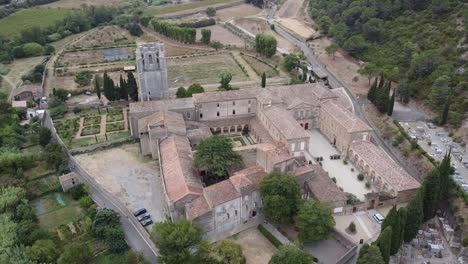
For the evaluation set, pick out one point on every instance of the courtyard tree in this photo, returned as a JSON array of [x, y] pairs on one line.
[[132, 87], [215, 154], [384, 242], [228, 251], [331, 50], [176, 241], [44, 136], [281, 196], [314, 221], [263, 80], [206, 36], [265, 45], [226, 78], [290, 254], [370, 254]]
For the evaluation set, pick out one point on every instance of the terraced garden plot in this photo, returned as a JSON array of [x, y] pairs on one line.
[[260, 67], [203, 70], [92, 120], [105, 36], [88, 141], [91, 130], [115, 126]]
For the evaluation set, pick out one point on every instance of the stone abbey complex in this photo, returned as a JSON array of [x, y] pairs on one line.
[[306, 130]]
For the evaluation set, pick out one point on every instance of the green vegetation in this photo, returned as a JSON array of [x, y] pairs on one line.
[[193, 89], [30, 18], [314, 221], [269, 236], [291, 254], [417, 44], [115, 126], [206, 36], [178, 8], [370, 254], [181, 34], [265, 45]]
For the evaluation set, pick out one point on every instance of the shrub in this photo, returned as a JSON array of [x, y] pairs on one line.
[[199, 24], [345, 162], [360, 177], [368, 185], [211, 11], [269, 236], [78, 191], [86, 202], [32, 49], [76, 110], [465, 242], [334, 179], [352, 227]]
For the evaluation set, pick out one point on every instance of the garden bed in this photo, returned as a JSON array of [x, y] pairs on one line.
[[115, 117], [115, 126], [91, 120], [91, 130]]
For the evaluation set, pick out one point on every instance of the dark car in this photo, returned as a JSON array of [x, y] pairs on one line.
[[147, 222], [143, 217], [139, 212]]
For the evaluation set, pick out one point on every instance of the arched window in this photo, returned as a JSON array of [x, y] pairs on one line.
[[150, 58]]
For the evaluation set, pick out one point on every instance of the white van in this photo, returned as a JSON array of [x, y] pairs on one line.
[[379, 218]]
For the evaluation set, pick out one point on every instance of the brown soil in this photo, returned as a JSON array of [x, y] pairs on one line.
[[78, 3], [105, 36], [219, 33], [236, 12], [90, 56], [290, 8]]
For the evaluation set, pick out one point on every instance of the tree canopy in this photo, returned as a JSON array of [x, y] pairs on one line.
[[315, 221], [370, 254], [290, 254]]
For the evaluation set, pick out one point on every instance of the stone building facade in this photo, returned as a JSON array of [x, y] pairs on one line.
[[152, 72]]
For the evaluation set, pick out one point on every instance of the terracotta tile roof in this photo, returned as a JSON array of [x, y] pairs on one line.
[[285, 123], [34, 89], [224, 95], [159, 105], [343, 99], [249, 177], [220, 193], [176, 163], [196, 208], [172, 121], [276, 153], [384, 166], [321, 185], [343, 117]]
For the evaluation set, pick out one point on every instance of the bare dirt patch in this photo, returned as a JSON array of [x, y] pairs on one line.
[[219, 33], [129, 176], [68, 82], [243, 10], [290, 8], [257, 25], [73, 4], [256, 248], [91, 56], [105, 36]]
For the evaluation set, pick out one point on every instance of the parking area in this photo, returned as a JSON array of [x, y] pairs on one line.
[[436, 142], [345, 174], [129, 176]]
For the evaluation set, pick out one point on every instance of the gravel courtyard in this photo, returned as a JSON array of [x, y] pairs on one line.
[[129, 176], [256, 248]]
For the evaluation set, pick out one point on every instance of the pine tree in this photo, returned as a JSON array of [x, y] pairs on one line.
[[132, 87], [393, 220], [372, 90], [445, 110], [384, 242], [414, 216], [97, 87], [445, 180], [263, 80], [431, 189], [391, 103]]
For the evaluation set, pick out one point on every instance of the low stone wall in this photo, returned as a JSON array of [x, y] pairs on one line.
[[101, 146]]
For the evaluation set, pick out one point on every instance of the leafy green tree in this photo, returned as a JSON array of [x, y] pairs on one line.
[[176, 241], [384, 242], [194, 89], [104, 218], [339, 32], [132, 87], [370, 254], [281, 196], [83, 78], [325, 23], [44, 251], [355, 44], [181, 92], [391, 104], [216, 155], [228, 251], [290, 254], [134, 29], [211, 11], [370, 70], [32, 49], [315, 221], [123, 88], [439, 91], [414, 218], [44, 136], [445, 179], [10, 197], [24, 212], [16, 255], [393, 220], [8, 235], [76, 253], [265, 45], [216, 45], [374, 29], [54, 155], [263, 80], [206, 36], [226, 78], [332, 49], [290, 62]]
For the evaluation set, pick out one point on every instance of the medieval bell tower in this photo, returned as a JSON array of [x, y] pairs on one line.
[[152, 72]]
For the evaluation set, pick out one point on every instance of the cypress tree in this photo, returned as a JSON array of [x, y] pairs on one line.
[[414, 216], [402, 214], [393, 220], [370, 254], [381, 82], [431, 189], [372, 90], [381, 99], [106, 86], [132, 87], [391, 103], [445, 180], [384, 242], [97, 87], [123, 88], [445, 110], [263, 80]]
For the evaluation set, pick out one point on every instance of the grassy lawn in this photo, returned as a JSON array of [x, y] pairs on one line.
[[115, 126], [12, 25], [178, 8], [56, 209]]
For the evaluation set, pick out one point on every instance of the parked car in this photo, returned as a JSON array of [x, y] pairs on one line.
[[379, 218], [143, 217], [139, 212], [147, 222]]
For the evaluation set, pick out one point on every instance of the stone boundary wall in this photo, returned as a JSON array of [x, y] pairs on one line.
[[101, 146]]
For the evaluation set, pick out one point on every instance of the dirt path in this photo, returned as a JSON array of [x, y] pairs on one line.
[[290, 8], [250, 72]]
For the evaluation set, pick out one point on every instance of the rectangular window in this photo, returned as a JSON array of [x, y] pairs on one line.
[[201, 115], [217, 105], [302, 145], [233, 102], [248, 110], [217, 113], [293, 146], [233, 112]]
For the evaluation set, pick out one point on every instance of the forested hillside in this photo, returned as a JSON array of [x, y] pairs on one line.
[[420, 44]]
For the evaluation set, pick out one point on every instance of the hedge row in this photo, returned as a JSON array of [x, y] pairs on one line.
[[198, 24], [415, 144], [269, 236]]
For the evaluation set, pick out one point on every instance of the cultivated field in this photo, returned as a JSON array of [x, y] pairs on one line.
[[18, 68], [13, 24], [90, 56], [185, 8], [105, 36], [259, 67], [74, 4], [235, 12], [202, 70], [219, 33]]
